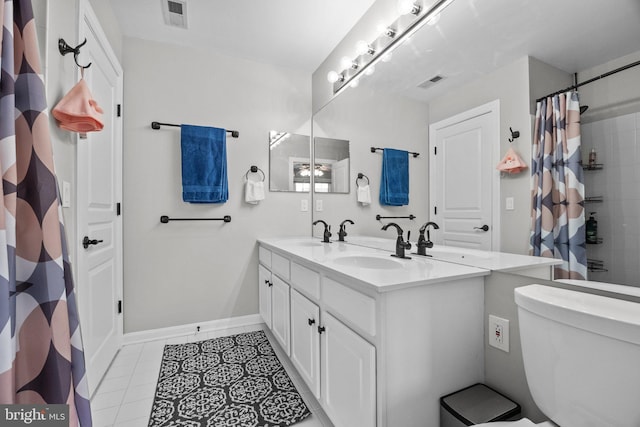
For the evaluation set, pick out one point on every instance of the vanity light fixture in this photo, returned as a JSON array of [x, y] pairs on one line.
[[334, 77], [364, 48], [406, 7], [347, 63], [387, 30], [380, 50]]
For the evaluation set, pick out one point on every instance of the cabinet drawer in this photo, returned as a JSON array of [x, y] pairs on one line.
[[264, 256], [350, 305], [280, 266], [306, 280]]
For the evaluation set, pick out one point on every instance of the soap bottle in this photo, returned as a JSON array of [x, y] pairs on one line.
[[592, 229]]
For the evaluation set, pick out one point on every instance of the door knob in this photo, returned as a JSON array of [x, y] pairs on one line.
[[483, 228], [87, 241]]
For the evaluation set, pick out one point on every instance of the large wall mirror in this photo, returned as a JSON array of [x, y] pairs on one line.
[[475, 53], [289, 162]]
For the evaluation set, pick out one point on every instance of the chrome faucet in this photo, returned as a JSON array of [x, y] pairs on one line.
[[401, 245], [327, 231], [425, 243], [343, 229]]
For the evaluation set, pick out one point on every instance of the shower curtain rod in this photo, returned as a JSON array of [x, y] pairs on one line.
[[601, 76]]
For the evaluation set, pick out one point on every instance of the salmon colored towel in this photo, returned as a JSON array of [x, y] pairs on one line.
[[511, 163], [78, 111]]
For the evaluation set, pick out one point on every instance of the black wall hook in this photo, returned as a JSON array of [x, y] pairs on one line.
[[64, 48], [515, 134]]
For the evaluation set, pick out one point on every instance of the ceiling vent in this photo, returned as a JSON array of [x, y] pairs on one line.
[[430, 82], [175, 13]]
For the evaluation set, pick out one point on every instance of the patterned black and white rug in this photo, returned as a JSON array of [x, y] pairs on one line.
[[222, 382]]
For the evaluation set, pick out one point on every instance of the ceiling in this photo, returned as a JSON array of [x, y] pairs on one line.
[[297, 34], [475, 37]]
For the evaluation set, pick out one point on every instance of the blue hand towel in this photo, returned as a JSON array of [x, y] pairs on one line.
[[394, 184], [204, 164]]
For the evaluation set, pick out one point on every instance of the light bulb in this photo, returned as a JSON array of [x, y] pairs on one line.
[[381, 27], [347, 63], [333, 76], [362, 48], [370, 70], [408, 6]]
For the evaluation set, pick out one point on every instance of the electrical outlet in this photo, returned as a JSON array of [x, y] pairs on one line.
[[499, 333], [319, 205], [304, 205]]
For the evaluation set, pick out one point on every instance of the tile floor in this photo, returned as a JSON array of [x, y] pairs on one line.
[[125, 396]]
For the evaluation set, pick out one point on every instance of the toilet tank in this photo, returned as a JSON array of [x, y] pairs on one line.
[[581, 356]]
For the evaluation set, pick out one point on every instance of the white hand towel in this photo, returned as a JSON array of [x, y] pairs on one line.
[[253, 192], [364, 195]]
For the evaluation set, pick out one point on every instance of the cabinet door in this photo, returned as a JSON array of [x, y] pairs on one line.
[[280, 312], [348, 376], [305, 340], [264, 293]]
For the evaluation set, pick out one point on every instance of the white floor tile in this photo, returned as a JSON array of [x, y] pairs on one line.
[[107, 400], [134, 410], [113, 384], [138, 422], [141, 392], [143, 377], [104, 417]]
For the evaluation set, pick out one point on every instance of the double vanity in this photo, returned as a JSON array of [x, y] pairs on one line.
[[378, 339]]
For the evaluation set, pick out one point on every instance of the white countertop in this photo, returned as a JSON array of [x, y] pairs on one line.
[[494, 261], [342, 259]]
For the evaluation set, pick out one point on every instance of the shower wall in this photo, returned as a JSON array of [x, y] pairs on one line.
[[617, 144]]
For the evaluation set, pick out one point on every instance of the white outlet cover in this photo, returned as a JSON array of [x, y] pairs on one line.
[[304, 205], [498, 333], [319, 205]]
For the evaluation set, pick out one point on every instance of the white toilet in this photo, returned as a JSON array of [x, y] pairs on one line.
[[581, 357]]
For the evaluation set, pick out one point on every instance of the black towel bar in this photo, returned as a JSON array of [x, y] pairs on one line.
[[374, 149], [165, 219], [156, 125], [378, 217]]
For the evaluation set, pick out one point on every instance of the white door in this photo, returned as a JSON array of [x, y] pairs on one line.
[[340, 176], [348, 376], [305, 340], [280, 312], [464, 183], [99, 190], [264, 294]]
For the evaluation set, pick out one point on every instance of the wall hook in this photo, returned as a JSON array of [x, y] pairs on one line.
[[64, 48], [515, 134]]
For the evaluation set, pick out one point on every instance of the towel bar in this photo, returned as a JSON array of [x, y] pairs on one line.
[[156, 125], [165, 219], [374, 149], [378, 217]]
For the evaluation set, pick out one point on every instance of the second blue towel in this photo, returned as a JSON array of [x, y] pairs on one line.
[[394, 183], [204, 164]]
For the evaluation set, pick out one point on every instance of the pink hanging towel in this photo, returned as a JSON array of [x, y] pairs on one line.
[[511, 163], [78, 111]]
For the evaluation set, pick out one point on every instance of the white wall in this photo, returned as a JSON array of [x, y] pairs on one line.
[[367, 119], [187, 272]]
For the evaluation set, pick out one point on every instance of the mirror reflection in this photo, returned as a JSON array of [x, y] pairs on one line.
[[331, 157], [289, 162]]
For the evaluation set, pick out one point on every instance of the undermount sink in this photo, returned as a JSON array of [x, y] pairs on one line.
[[366, 261]]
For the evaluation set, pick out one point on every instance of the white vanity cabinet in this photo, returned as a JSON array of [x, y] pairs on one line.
[[273, 295], [375, 355], [305, 340]]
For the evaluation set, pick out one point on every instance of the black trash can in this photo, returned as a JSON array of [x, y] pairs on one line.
[[475, 405]]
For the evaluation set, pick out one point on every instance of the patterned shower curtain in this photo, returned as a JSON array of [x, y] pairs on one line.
[[557, 217], [41, 354]]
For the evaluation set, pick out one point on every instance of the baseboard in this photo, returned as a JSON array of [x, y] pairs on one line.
[[178, 331]]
